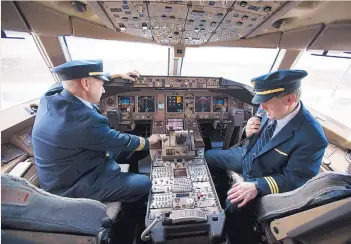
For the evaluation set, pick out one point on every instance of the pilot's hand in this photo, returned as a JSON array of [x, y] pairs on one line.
[[127, 76], [242, 191], [154, 139], [130, 75], [252, 126]]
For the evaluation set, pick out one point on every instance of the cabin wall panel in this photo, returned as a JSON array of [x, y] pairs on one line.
[[299, 38], [10, 18], [15, 119], [263, 41], [337, 36], [44, 20]]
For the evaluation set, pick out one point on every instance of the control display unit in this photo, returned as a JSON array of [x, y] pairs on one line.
[[180, 173], [146, 104], [219, 103], [203, 104], [126, 103], [175, 104]]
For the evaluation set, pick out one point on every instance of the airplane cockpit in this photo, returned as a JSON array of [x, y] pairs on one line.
[[196, 60]]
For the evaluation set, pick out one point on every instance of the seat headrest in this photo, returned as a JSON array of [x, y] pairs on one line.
[[26, 207]]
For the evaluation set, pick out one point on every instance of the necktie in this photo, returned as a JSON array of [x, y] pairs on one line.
[[261, 142]]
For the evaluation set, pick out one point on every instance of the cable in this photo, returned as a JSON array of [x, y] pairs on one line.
[[145, 235]]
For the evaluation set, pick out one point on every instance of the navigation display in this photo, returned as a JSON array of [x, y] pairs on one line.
[[203, 104], [146, 104], [219, 102], [175, 104], [125, 102]]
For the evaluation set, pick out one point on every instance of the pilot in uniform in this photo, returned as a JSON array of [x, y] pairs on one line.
[[285, 151], [74, 147]]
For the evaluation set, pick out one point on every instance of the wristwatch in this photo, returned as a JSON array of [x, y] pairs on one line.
[[259, 192]]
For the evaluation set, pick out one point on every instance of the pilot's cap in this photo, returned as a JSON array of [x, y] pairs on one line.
[[77, 69], [272, 84]]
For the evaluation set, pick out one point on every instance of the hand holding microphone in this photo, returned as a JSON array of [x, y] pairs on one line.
[[253, 125]]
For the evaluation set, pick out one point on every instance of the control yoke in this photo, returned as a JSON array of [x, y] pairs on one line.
[[235, 119], [115, 118]]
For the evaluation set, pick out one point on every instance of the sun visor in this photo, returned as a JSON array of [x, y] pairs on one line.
[[299, 38], [336, 36], [10, 18]]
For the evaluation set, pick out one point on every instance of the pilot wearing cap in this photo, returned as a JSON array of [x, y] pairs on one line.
[[285, 148], [74, 147]]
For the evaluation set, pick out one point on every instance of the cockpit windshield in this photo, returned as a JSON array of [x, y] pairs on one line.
[[238, 64], [327, 88], [121, 56]]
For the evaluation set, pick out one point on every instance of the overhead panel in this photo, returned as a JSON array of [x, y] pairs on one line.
[[236, 25], [189, 22], [167, 21], [130, 17]]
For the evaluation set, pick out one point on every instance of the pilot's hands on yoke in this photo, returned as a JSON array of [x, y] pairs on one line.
[[154, 139], [242, 191], [252, 126], [127, 76]]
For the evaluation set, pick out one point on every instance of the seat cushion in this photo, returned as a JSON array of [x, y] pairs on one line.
[[37, 210], [234, 177]]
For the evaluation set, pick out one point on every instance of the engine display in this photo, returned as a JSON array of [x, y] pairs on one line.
[[203, 104], [219, 102], [146, 104], [175, 104], [125, 103]]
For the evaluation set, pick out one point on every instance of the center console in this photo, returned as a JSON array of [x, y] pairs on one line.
[[183, 199]]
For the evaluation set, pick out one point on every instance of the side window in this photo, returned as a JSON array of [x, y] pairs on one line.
[[24, 74], [327, 88]]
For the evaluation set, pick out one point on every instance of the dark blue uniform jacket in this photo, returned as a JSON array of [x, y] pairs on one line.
[[71, 143], [292, 157]]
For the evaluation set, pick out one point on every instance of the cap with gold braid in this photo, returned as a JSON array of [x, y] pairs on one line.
[[77, 69], [272, 84]]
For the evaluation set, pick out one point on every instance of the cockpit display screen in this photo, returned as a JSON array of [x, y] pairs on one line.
[[125, 103], [203, 104], [219, 103], [180, 173], [175, 104], [146, 104]]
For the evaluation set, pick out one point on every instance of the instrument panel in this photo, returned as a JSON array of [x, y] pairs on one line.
[[161, 97], [143, 105]]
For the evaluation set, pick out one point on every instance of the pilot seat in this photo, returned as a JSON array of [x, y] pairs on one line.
[[31, 215], [317, 212]]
